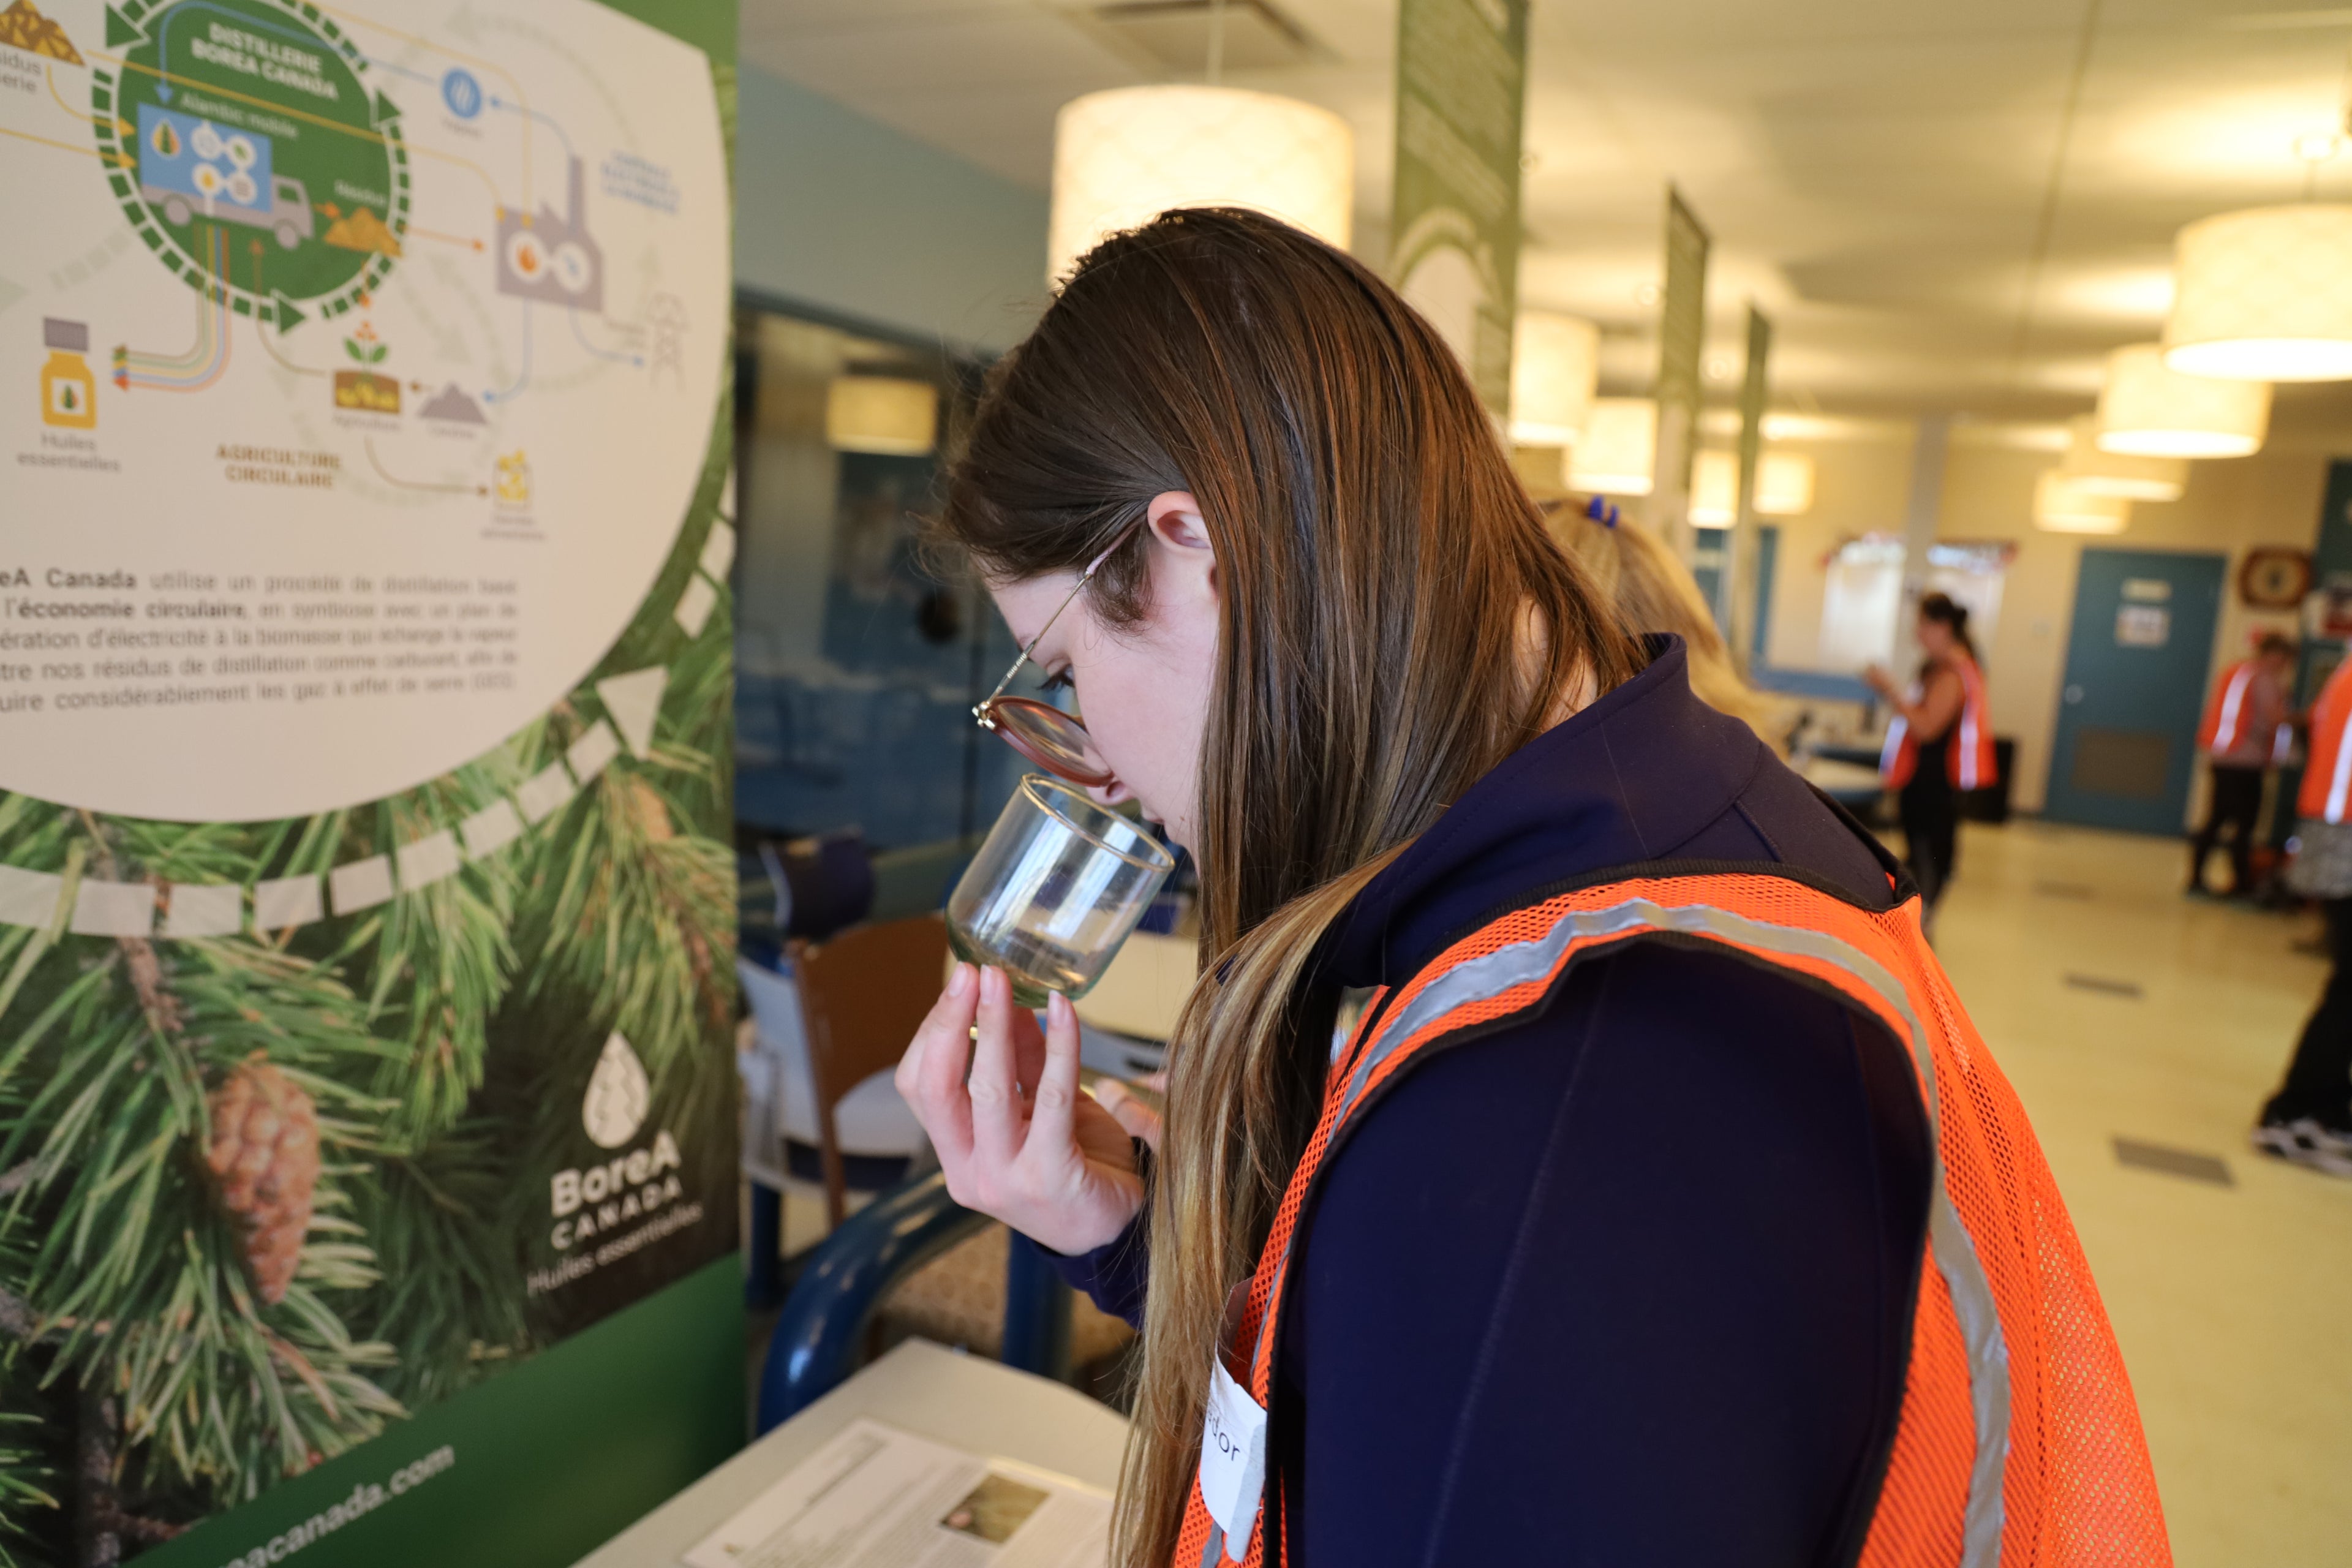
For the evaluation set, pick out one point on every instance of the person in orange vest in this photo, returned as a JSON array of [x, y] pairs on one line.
[[2245, 731], [2309, 1119], [1939, 743], [1660, 1204]]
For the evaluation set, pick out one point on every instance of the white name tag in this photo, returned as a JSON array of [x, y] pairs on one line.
[[1233, 1459]]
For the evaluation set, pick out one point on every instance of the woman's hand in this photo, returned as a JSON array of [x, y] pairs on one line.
[[1134, 1114], [1878, 680], [1017, 1139]]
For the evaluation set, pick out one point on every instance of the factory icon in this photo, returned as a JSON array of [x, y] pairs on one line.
[[550, 255]]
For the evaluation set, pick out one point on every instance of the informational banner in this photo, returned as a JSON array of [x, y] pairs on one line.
[[1682, 340], [1739, 614], [367, 1102], [1462, 71]]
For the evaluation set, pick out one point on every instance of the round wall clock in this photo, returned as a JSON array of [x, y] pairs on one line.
[[2275, 577]]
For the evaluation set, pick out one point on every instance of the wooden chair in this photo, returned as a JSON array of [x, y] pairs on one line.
[[863, 995]]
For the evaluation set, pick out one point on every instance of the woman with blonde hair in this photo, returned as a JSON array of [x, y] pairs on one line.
[[1629, 1225], [1632, 569]]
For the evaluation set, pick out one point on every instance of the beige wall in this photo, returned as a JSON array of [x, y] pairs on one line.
[[1862, 486]]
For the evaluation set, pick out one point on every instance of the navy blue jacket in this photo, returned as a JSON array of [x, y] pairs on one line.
[[1628, 1283]]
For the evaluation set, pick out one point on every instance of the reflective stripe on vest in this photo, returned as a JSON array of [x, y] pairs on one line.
[[1971, 765], [2221, 727], [2327, 775], [1898, 756], [1969, 760], [1984, 1159]]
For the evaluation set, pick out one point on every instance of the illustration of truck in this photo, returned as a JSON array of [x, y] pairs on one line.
[[188, 166]]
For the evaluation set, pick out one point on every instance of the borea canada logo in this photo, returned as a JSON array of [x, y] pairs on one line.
[[626, 1187]]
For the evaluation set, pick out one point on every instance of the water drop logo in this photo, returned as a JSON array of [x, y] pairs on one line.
[[619, 1095]]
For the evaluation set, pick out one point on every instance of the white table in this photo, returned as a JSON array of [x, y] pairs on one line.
[[971, 1404]]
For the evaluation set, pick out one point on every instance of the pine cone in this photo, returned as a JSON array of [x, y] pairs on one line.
[[652, 817], [265, 1155]]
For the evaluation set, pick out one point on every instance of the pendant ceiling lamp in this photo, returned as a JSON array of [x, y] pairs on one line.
[[2062, 507], [1784, 484], [1555, 363], [1617, 449], [2149, 410], [2263, 295], [2088, 468], [1715, 489], [884, 414], [1123, 157], [1784, 487]]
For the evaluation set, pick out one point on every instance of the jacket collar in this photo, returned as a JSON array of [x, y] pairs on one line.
[[1630, 778]]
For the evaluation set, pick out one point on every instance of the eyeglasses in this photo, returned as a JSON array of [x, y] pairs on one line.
[[1040, 731]]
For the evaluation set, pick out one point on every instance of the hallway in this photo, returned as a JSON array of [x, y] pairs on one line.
[[2142, 1030]]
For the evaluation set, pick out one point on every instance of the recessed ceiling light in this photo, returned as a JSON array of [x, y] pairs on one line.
[[2318, 146], [1647, 293]]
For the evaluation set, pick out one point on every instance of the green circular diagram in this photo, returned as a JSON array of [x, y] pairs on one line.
[[251, 154]]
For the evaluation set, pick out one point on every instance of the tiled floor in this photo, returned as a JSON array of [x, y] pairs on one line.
[[2233, 1303]]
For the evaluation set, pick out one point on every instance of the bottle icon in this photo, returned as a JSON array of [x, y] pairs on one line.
[[68, 391]]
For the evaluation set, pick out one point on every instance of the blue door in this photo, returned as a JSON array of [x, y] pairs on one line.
[[2137, 666]]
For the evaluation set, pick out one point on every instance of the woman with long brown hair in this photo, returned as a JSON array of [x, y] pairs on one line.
[[1623, 1227]]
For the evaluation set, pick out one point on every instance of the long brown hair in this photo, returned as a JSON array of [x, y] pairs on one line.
[[1379, 569]]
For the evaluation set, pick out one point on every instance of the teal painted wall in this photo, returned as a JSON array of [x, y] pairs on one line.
[[838, 212]]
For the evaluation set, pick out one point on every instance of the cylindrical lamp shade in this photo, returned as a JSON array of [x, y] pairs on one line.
[[1555, 361], [1617, 449], [2089, 469], [1784, 484], [1715, 489], [2150, 411], [2263, 295], [2062, 508], [1123, 157], [884, 414]]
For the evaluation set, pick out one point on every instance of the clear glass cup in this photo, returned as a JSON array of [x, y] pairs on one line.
[[1053, 891]]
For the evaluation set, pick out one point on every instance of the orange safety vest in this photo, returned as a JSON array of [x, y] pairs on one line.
[[2228, 716], [2019, 1441], [1969, 760], [2327, 775], [2225, 715]]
